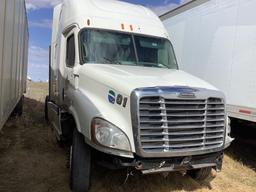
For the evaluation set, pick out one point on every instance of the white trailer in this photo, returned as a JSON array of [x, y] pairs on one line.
[[13, 57], [216, 41]]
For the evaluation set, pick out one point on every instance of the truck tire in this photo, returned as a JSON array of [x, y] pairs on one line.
[[80, 164], [200, 174], [46, 109]]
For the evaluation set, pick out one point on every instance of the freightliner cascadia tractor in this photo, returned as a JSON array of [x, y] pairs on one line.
[[117, 95]]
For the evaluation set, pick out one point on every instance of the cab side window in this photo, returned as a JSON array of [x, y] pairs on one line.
[[70, 51]]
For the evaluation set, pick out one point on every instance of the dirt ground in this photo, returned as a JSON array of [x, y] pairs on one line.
[[31, 160]]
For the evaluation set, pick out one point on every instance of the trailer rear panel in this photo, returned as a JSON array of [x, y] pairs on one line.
[[13, 55]]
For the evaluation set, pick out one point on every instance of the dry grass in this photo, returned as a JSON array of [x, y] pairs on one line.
[[31, 161]]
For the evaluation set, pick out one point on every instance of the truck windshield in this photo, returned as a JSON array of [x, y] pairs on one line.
[[105, 47]]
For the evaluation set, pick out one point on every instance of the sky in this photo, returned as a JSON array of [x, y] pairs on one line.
[[40, 20]]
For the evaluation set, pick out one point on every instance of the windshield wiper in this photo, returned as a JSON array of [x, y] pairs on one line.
[[111, 61]]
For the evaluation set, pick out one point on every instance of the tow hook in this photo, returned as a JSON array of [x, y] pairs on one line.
[[139, 165], [186, 161]]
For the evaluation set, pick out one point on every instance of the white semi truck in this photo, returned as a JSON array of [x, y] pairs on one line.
[[216, 40], [13, 57], [117, 94]]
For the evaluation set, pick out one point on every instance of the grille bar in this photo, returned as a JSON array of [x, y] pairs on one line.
[[177, 140], [145, 133], [171, 109], [178, 125], [173, 127], [176, 121], [176, 115]]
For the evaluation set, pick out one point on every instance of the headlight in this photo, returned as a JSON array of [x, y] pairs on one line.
[[109, 135]]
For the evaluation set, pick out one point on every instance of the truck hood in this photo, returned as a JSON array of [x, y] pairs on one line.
[[127, 78], [100, 85]]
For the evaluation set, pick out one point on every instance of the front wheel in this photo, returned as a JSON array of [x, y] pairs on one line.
[[80, 164], [202, 174]]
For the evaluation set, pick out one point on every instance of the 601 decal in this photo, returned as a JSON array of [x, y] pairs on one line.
[[117, 98]]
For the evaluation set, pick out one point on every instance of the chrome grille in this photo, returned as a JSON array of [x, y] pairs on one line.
[[180, 125]]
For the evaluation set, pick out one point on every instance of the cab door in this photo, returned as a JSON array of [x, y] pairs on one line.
[[71, 67]]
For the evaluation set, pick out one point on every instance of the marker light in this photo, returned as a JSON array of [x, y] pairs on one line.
[[88, 22], [131, 27], [122, 26]]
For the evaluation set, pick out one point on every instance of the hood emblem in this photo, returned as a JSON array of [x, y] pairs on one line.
[[187, 95]]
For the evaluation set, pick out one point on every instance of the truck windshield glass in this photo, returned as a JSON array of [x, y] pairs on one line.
[[107, 47]]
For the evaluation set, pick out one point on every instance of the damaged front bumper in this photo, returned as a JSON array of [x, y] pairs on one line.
[[160, 165]]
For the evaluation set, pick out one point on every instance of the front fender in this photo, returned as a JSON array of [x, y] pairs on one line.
[[86, 105]]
